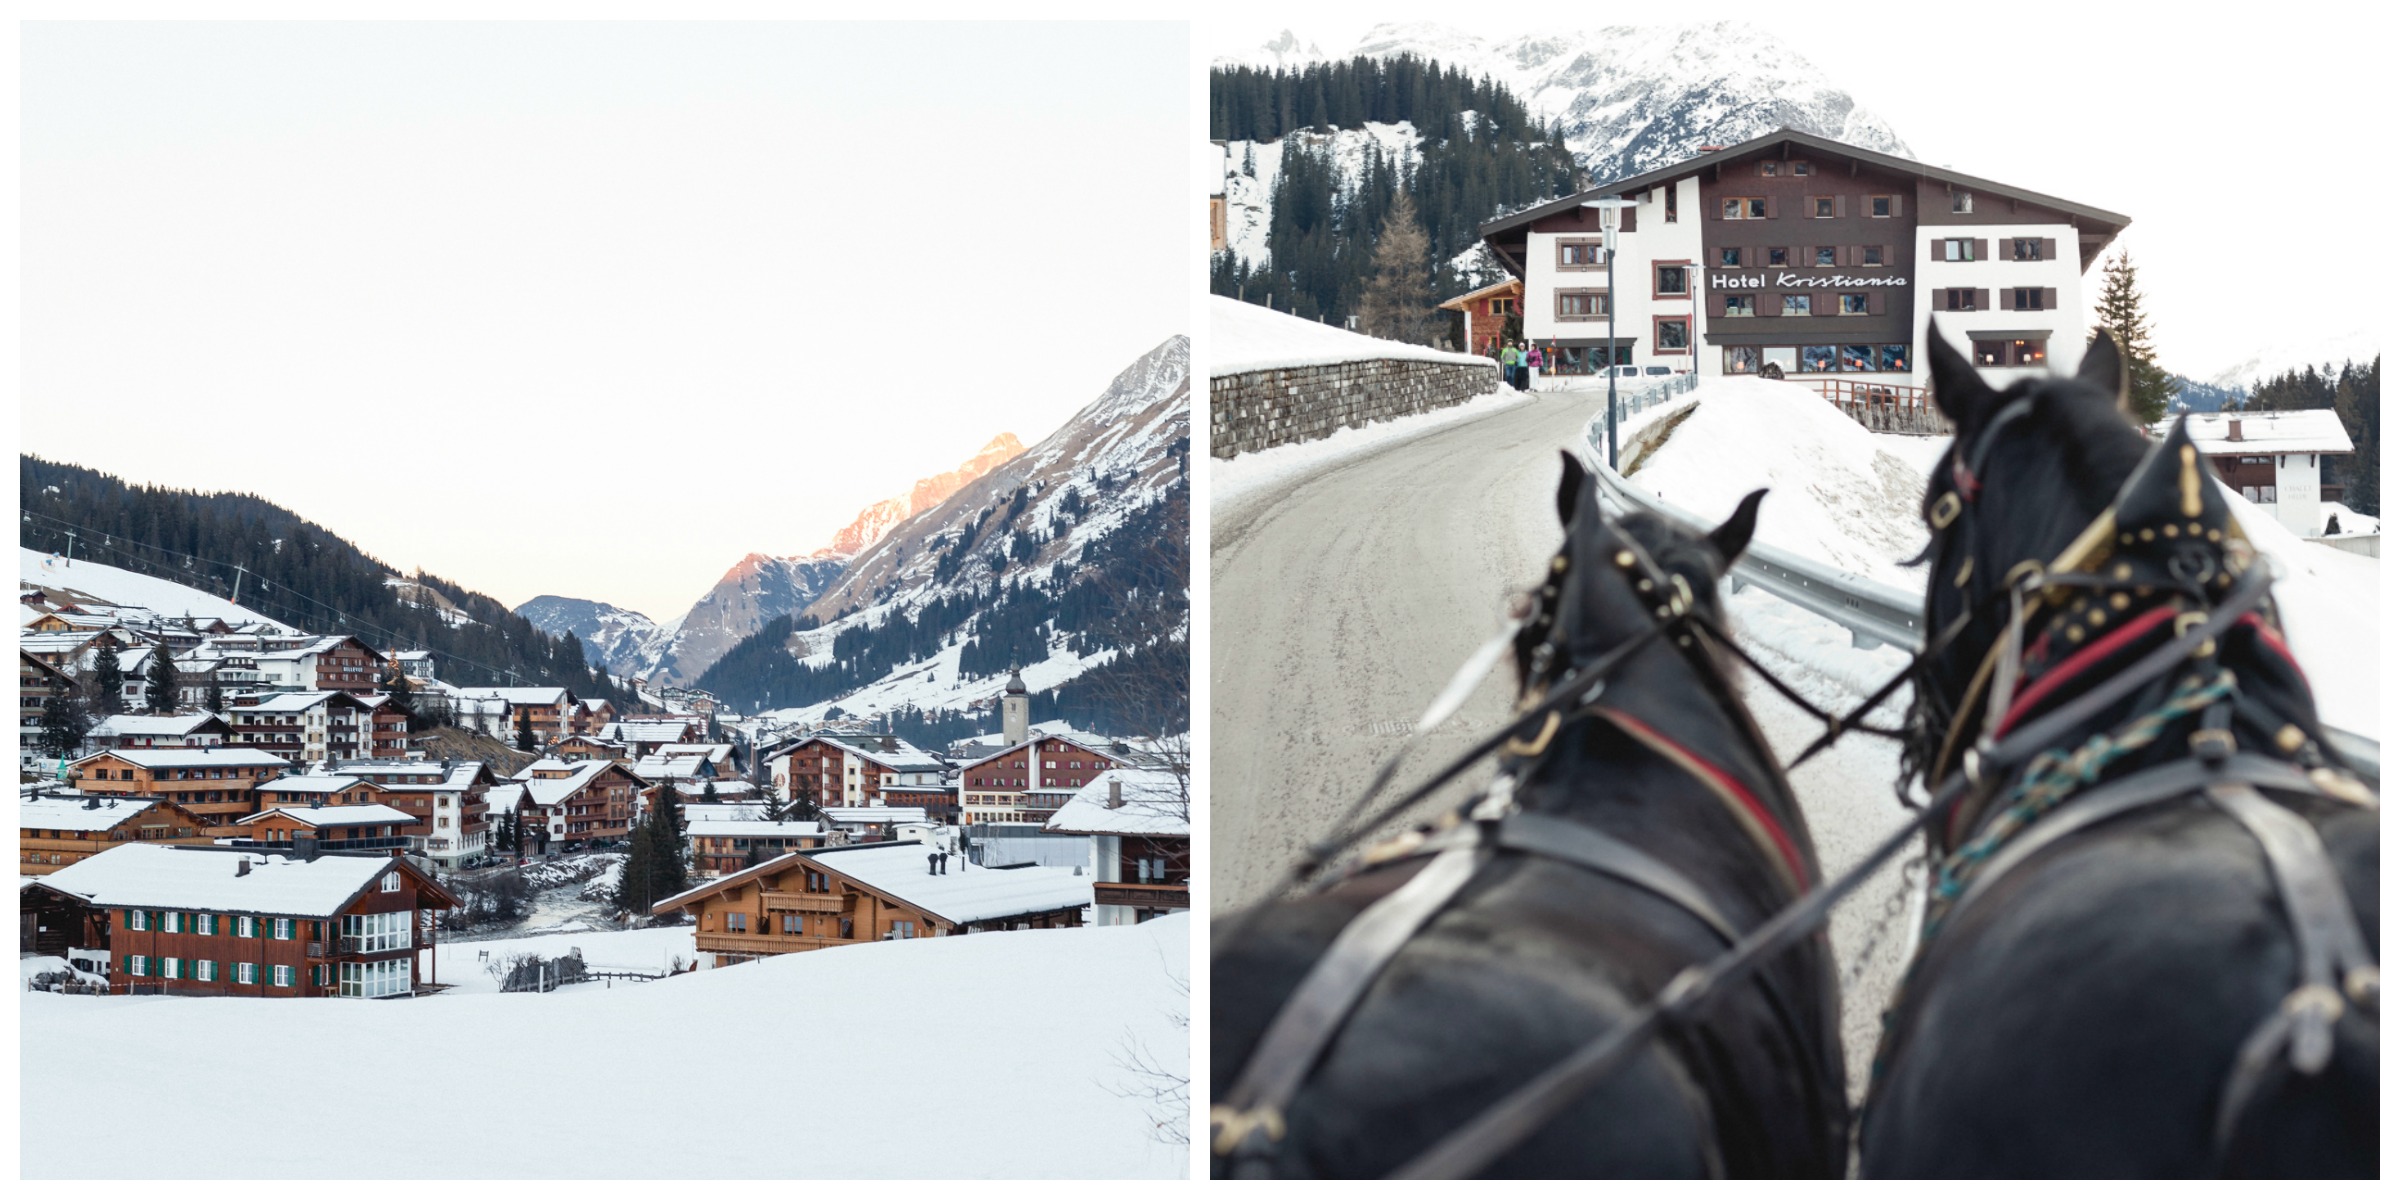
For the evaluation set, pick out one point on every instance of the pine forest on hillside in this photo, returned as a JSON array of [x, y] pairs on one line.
[[1483, 155], [292, 571]]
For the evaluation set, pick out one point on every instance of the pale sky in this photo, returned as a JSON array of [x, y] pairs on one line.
[[588, 309], [2251, 149]]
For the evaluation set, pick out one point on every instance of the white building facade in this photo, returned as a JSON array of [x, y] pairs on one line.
[[1795, 256]]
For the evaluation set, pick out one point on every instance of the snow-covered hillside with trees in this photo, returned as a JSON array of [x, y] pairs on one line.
[[1632, 98], [112, 585], [645, 1080]]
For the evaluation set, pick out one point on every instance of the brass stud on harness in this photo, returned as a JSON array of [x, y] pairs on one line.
[[2193, 529], [2119, 602], [2364, 986], [1559, 563], [2289, 739], [1624, 558], [2123, 571], [1644, 586], [2149, 535]]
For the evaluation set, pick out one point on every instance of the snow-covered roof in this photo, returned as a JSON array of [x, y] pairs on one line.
[[517, 695], [712, 751], [552, 791], [754, 829], [1459, 303], [1247, 337], [1037, 738], [337, 815], [901, 757], [965, 893], [313, 785], [199, 756], [2304, 431], [143, 875], [654, 729], [1155, 804], [873, 815], [129, 725], [69, 814]]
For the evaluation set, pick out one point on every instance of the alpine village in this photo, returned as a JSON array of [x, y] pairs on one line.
[[251, 772]]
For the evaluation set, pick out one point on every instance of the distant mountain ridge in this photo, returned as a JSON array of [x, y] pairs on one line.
[[752, 592], [1633, 98]]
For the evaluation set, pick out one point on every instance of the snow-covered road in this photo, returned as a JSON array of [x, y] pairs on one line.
[[1344, 598]]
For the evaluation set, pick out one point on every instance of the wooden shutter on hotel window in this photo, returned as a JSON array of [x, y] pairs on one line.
[[1825, 304], [1983, 249], [1841, 206], [2049, 249], [1983, 299], [1875, 303], [1770, 208], [1933, 250], [2049, 298]]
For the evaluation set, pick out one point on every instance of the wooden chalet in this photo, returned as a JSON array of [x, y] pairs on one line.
[[1029, 781], [578, 803], [215, 921], [214, 784], [343, 828], [1141, 829], [839, 896], [57, 831], [722, 847]]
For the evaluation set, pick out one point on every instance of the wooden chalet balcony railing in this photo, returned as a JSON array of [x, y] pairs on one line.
[[804, 901], [759, 943], [1143, 895]]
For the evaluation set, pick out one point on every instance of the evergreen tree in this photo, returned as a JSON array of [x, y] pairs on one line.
[[1397, 302], [108, 680], [65, 719], [708, 792], [165, 690], [404, 698], [524, 731], [804, 806], [2148, 387], [215, 701], [634, 885]]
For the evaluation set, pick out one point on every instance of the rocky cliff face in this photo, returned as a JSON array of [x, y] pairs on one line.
[[878, 518]]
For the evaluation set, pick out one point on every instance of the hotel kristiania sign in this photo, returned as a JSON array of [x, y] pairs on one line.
[[1786, 279]]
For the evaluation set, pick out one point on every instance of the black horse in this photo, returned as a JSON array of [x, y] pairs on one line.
[[2149, 950], [1535, 952]]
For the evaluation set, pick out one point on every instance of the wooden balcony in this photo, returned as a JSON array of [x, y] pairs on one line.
[[1143, 895], [759, 943], [824, 902]]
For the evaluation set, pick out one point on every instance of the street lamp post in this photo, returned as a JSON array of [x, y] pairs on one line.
[[1608, 249]]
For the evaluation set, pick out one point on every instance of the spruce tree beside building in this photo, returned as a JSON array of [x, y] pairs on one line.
[[164, 691], [108, 680], [215, 701], [2148, 386], [524, 732], [65, 719]]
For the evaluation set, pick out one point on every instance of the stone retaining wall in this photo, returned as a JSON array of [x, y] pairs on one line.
[[1284, 405]]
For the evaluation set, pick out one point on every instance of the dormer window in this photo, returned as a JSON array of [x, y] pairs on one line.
[[1770, 168], [1802, 168], [1962, 202]]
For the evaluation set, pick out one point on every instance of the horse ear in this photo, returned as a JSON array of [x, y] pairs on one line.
[[1573, 482], [1957, 389], [2104, 367], [1732, 537]]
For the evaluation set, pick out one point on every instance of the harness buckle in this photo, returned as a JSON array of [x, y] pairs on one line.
[[2212, 746], [1232, 1130], [1945, 510]]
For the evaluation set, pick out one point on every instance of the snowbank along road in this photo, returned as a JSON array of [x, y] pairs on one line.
[[1345, 598]]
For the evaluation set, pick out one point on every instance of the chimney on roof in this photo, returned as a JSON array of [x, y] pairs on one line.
[[92, 803], [2233, 429], [1116, 793], [241, 866]]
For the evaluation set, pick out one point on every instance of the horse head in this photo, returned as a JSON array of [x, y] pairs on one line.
[[2050, 478], [1615, 580]]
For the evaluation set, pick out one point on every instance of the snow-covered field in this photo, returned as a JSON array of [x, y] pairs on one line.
[[126, 588], [996, 1055]]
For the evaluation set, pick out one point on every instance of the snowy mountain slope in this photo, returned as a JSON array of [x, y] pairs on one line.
[[617, 640], [1252, 168], [757, 589], [1049, 519], [110, 585], [1046, 1101], [1632, 98]]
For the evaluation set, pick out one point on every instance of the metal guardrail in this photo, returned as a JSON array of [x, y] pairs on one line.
[[1876, 614]]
